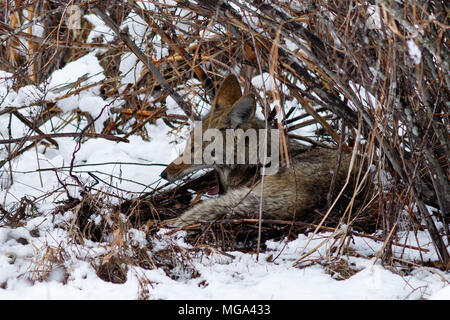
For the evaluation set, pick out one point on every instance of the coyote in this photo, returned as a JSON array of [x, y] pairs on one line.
[[290, 193]]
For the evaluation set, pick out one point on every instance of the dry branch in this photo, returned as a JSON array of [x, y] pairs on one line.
[[64, 135], [324, 53], [293, 223], [147, 62]]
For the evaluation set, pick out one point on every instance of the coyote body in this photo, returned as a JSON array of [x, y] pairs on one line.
[[292, 192]]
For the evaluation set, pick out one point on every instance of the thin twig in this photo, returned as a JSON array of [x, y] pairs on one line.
[[64, 135], [187, 109]]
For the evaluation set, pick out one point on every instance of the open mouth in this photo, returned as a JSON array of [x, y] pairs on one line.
[[217, 188], [209, 183]]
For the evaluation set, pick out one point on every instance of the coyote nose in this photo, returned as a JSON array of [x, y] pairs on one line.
[[164, 174]]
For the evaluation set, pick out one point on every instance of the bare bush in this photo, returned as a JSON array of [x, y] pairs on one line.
[[373, 75]]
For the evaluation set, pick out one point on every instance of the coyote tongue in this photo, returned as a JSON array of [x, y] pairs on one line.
[[216, 189]]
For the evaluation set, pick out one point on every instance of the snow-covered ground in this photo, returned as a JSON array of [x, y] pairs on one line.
[[29, 250], [40, 260], [232, 276]]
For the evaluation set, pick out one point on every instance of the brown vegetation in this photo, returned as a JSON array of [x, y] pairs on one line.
[[373, 75]]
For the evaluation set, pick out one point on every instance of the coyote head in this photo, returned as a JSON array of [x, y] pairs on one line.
[[231, 119]]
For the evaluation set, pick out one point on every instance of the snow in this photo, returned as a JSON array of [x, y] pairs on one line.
[[99, 30], [7, 95], [28, 95], [96, 107], [442, 294], [130, 67], [87, 66], [221, 277], [264, 81], [414, 52], [40, 260], [82, 72], [373, 17]]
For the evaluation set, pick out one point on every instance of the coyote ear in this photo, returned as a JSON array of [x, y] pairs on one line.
[[243, 111], [229, 92]]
